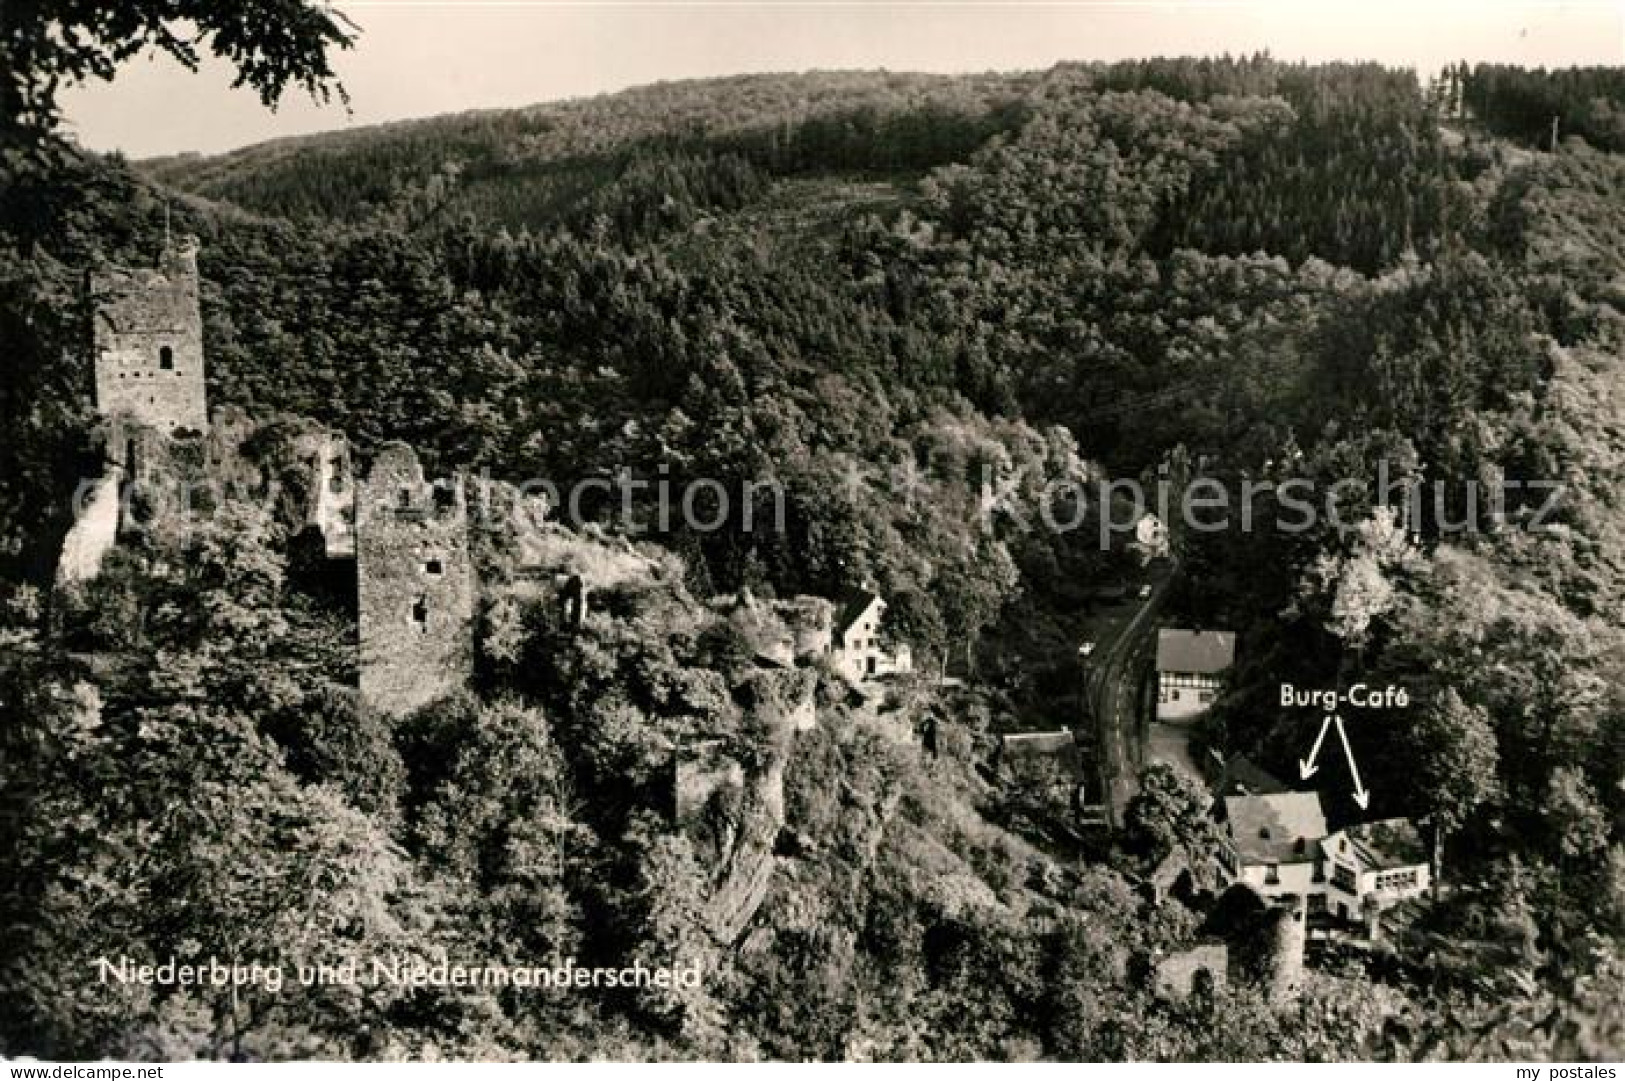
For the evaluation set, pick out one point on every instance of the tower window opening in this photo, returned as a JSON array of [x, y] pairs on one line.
[[166, 358], [434, 567], [420, 613]]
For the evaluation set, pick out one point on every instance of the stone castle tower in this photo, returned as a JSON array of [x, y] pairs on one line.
[[147, 337], [1286, 934], [415, 584], [148, 342]]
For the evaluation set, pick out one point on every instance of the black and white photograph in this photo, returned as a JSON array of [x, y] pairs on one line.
[[812, 531]]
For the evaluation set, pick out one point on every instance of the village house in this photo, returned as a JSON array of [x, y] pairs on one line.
[[1371, 867], [858, 651], [1190, 670], [1278, 843], [1272, 842]]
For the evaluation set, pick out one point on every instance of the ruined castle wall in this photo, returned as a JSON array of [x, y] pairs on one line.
[[148, 341], [812, 621], [1176, 975], [415, 585], [94, 532], [332, 503]]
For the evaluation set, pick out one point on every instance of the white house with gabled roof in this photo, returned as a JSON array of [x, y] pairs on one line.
[[1272, 842], [858, 649], [1191, 667], [1373, 866], [1278, 843]]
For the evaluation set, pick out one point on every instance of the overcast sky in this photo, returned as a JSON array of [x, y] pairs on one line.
[[423, 57]]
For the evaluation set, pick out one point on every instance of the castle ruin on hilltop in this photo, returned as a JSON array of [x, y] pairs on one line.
[[400, 543], [415, 588]]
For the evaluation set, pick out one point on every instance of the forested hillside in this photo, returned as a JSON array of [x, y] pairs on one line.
[[1533, 106], [1256, 269]]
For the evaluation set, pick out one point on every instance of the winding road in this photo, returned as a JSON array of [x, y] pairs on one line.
[[1111, 694]]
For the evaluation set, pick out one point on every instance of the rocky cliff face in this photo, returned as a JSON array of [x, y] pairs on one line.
[[780, 702]]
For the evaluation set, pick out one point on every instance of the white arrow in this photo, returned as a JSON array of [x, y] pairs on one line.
[[1306, 766], [1361, 796]]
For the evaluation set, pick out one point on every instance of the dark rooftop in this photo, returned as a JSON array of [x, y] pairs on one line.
[[1196, 652], [1241, 776], [1283, 827]]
